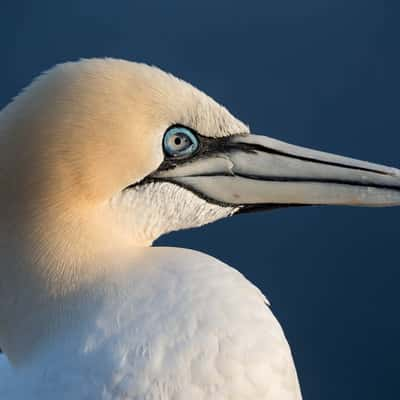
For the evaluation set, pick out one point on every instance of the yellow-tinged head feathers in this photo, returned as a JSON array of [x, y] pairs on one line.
[[87, 129], [81, 133]]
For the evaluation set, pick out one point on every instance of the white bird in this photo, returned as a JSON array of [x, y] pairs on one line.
[[100, 157]]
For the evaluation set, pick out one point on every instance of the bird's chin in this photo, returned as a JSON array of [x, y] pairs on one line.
[[154, 207]]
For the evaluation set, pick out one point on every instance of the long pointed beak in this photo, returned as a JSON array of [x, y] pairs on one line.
[[256, 171]]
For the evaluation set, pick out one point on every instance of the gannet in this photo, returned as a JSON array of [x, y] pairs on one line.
[[98, 159]]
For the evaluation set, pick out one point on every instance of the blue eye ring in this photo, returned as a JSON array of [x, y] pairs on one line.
[[180, 142]]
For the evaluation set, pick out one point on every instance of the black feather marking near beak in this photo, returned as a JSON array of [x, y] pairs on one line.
[[252, 173]]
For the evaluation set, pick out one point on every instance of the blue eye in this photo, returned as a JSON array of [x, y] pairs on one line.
[[180, 142]]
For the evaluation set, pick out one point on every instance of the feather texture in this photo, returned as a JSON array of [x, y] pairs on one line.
[[184, 326]]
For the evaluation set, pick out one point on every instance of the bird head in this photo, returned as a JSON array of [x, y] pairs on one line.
[[107, 147]]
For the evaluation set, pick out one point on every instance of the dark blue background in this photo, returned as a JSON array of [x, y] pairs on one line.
[[321, 73]]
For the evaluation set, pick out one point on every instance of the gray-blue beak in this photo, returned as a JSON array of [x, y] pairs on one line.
[[256, 171]]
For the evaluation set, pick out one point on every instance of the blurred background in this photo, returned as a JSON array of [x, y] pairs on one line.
[[319, 73]]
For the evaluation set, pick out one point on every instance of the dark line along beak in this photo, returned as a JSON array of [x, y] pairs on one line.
[[259, 172]]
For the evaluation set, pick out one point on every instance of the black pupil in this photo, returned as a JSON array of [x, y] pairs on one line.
[[178, 141]]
